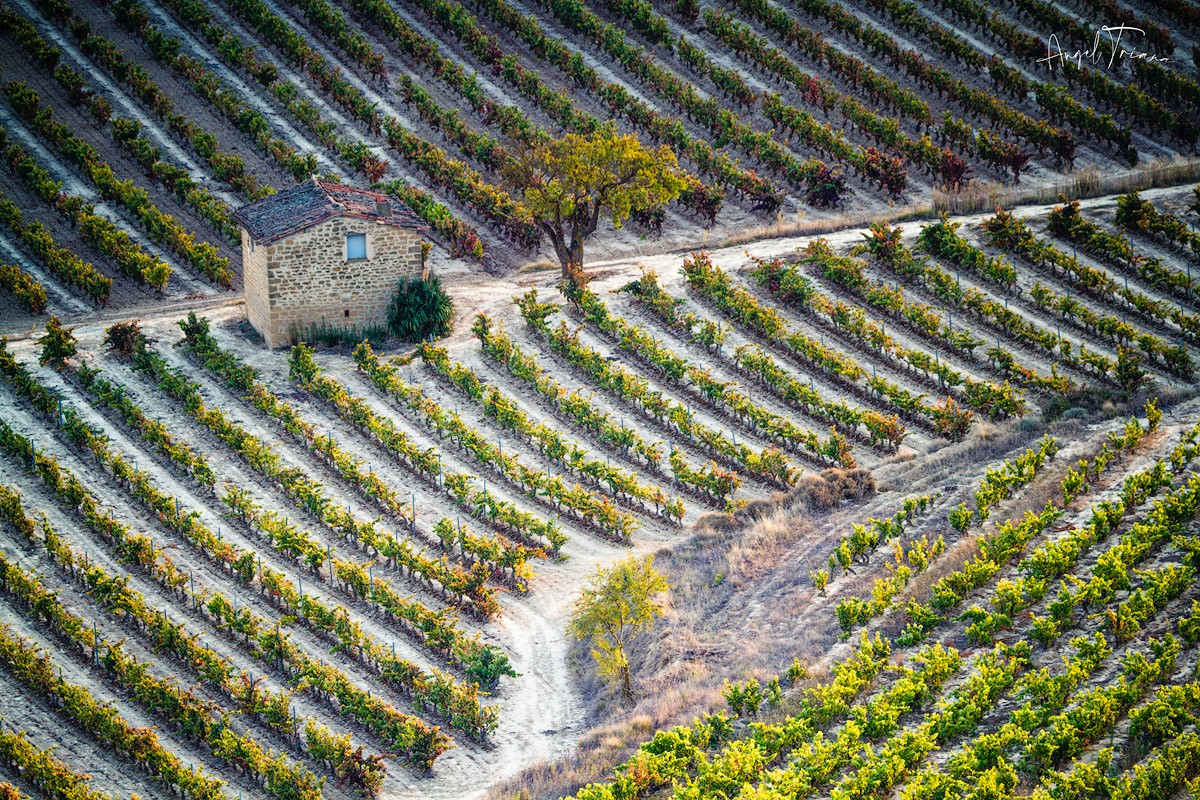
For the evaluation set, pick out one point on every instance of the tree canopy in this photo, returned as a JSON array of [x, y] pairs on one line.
[[619, 603], [569, 185]]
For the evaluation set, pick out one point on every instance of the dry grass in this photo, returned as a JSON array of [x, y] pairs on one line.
[[751, 554], [814, 492], [801, 226], [741, 606], [1001, 440], [538, 266], [984, 196], [704, 636]]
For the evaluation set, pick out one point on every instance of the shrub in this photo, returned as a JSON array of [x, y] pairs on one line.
[[58, 344], [960, 518], [820, 579], [123, 336], [421, 309], [29, 291], [1129, 369], [486, 665]]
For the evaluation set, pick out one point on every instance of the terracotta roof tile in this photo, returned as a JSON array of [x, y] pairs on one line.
[[314, 201]]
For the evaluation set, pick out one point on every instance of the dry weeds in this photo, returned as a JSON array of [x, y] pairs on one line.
[[819, 227], [984, 196], [703, 636], [742, 605]]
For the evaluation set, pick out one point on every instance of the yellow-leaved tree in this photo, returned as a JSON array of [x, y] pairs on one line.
[[619, 603], [572, 183]]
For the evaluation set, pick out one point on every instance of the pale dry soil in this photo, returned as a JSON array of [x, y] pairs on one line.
[[742, 603]]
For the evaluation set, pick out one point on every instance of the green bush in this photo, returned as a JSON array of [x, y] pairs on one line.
[[420, 310], [960, 518], [58, 344]]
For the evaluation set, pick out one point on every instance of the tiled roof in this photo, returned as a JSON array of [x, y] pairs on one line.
[[312, 202]]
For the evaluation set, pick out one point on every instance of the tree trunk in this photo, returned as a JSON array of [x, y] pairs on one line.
[[557, 238], [582, 226], [574, 256], [626, 681]]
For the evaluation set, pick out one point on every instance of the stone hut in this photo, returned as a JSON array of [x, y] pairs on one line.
[[323, 255]]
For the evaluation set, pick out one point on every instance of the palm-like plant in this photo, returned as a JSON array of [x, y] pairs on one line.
[[421, 309]]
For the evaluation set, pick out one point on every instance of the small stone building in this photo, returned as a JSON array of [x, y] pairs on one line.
[[323, 255]]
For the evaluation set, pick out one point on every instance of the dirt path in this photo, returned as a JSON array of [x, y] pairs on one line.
[[543, 712]]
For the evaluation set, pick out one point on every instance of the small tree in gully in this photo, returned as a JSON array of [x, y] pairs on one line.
[[570, 184], [619, 603]]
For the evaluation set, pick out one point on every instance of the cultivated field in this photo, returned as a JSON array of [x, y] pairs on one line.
[[230, 572], [284, 522]]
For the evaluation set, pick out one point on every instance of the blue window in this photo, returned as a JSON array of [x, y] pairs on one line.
[[356, 246]]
